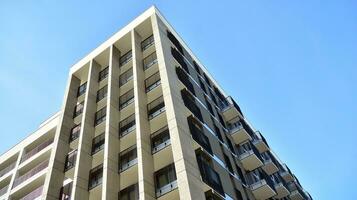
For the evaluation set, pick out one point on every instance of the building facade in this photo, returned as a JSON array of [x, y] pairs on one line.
[[143, 119]]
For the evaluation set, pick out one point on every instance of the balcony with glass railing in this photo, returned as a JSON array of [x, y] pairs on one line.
[[166, 183], [260, 184], [29, 174], [127, 125], [260, 142], [297, 192], [152, 82], [231, 109], [238, 129], [249, 156], [149, 61], [3, 190], [285, 173], [128, 158], [34, 195], [156, 107], [7, 169], [36, 150], [126, 58], [147, 43], [270, 163], [280, 186]]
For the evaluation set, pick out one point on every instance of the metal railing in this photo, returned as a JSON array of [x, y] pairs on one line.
[[152, 82], [34, 194], [149, 61], [147, 43], [30, 173], [166, 188], [125, 58], [37, 149], [7, 169], [156, 107]]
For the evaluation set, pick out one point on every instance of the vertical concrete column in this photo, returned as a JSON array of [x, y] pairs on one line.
[[111, 147], [188, 175], [55, 176], [143, 144], [84, 157]]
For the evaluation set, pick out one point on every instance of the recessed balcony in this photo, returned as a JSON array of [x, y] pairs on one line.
[[31, 173], [6, 170], [33, 195], [286, 174], [238, 132], [36, 150], [296, 192], [270, 163], [3, 190], [260, 142], [249, 156], [232, 110], [280, 186], [261, 185], [166, 183], [126, 59], [128, 168]]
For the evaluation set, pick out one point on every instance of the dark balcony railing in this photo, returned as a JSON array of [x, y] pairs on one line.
[[7, 169], [258, 177], [175, 41], [149, 61], [156, 107], [4, 190], [34, 194], [246, 149], [70, 160], [210, 176], [127, 125], [35, 150], [198, 135], [183, 77], [30, 173], [147, 43], [166, 188], [75, 133], [152, 82], [180, 59], [125, 77], [125, 58], [160, 140], [190, 103], [126, 99], [231, 102]]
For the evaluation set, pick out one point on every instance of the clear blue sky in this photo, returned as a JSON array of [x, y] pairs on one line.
[[292, 66]]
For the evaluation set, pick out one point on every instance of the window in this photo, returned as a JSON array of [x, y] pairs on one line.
[[180, 59], [196, 130], [209, 106], [228, 163], [190, 103], [125, 58], [78, 109], [218, 133], [152, 82], [238, 194], [103, 74], [98, 143], [129, 193], [126, 99], [183, 77], [174, 40], [82, 89], [125, 77], [213, 97], [239, 170], [230, 145], [70, 160], [95, 176], [65, 193], [197, 68], [75, 132], [102, 93], [156, 107], [202, 85], [100, 116], [147, 42], [127, 158], [165, 180], [207, 80], [127, 125], [160, 140], [149, 61]]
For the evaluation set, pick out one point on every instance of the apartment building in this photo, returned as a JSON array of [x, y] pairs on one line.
[[143, 119]]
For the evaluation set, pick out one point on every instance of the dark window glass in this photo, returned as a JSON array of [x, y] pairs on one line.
[[145, 44], [125, 77], [65, 193], [129, 193], [127, 158], [95, 176], [197, 68], [98, 143], [70, 160], [207, 80], [149, 61], [125, 58], [75, 132], [180, 59], [218, 133], [152, 82], [82, 89], [183, 77], [100, 116], [202, 85], [156, 107], [174, 40], [103, 74], [191, 104], [102, 93], [126, 99], [127, 125], [165, 180], [228, 163], [78, 109], [160, 140], [209, 106], [238, 194]]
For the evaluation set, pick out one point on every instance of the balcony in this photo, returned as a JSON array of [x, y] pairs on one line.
[[166, 182], [296, 192], [149, 61], [232, 110], [191, 104], [7, 169], [196, 130], [128, 158], [152, 82], [43, 165], [34, 195], [145, 44], [161, 148], [3, 190], [126, 99], [35, 150], [156, 107], [260, 142], [125, 59], [280, 186], [270, 163], [209, 175], [261, 184], [286, 174], [127, 125], [238, 131], [249, 156]]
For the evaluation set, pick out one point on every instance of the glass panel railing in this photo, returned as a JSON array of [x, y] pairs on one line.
[[127, 165], [150, 61], [3, 190], [156, 107], [166, 188], [7, 169], [36, 150], [152, 82], [34, 194], [147, 43], [125, 58], [30, 173], [210, 176]]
